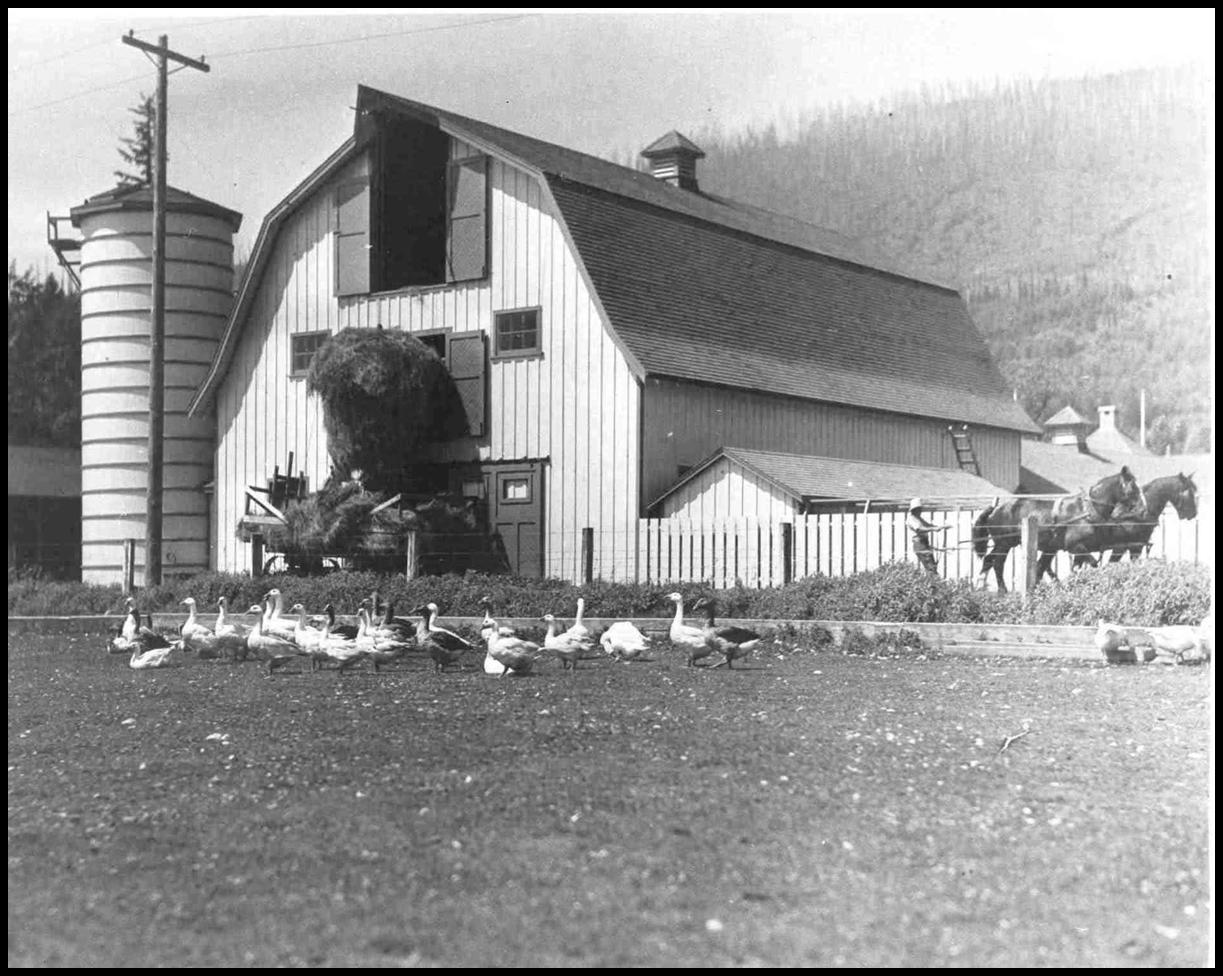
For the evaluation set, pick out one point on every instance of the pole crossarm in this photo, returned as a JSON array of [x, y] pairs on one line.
[[161, 49]]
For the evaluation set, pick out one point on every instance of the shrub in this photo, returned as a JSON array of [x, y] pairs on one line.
[[1148, 593]]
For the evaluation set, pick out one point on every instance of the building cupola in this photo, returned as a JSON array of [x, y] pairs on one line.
[[673, 160], [1067, 427]]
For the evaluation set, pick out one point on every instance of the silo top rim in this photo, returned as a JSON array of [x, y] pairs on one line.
[[141, 198]]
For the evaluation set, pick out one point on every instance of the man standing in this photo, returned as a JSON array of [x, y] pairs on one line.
[[920, 529]]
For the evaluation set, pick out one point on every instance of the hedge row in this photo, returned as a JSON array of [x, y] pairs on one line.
[[1144, 594]]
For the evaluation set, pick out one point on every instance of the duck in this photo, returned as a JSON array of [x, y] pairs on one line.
[[513, 653], [192, 627], [730, 641], [693, 639], [445, 647], [569, 647], [623, 641], [272, 648]]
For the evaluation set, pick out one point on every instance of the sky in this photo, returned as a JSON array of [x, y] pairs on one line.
[[278, 98]]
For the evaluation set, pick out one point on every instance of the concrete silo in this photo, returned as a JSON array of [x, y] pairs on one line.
[[116, 274]]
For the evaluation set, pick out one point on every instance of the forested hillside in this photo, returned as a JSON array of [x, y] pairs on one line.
[[1075, 216]]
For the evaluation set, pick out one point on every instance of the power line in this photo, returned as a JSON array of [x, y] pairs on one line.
[[369, 37], [286, 47]]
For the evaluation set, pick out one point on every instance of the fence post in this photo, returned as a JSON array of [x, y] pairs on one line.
[[129, 566], [411, 562], [256, 555], [588, 554], [787, 553], [1028, 531]]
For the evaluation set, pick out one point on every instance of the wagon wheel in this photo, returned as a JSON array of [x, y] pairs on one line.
[[275, 564]]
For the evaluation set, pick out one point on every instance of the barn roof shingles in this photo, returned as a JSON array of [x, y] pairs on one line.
[[711, 290]]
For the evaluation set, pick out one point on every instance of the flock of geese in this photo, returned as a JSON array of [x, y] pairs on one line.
[[380, 637]]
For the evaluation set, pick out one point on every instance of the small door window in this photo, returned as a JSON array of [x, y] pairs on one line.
[[516, 489]]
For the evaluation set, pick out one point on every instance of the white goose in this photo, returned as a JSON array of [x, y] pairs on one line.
[[274, 623], [154, 657], [579, 628], [342, 651], [692, 639], [383, 647], [569, 647], [269, 647], [223, 625], [488, 630], [513, 653], [192, 627], [623, 641]]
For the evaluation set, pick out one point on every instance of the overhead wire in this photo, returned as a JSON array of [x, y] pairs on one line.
[[264, 50]]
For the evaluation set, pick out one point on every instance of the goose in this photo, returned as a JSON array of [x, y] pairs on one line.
[[127, 639], [153, 657], [132, 622], [1178, 643], [392, 626], [444, 646], [579, 629], [269, 647], [488, 630], [623, 641], [1111, 640], [223, 625], [150, 637], [274, 624], [383, 647], [347, 631], [513, 653], [192, 627], [730, 641], [208, 646], [569, 647], [341, 651], [694, 639]]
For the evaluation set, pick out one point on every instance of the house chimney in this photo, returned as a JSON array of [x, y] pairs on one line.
[[1108, 417], [673, 160]]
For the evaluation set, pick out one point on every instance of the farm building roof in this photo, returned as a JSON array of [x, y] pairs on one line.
[[706, 289], [808, 477], [140, 197], [1046, 468]]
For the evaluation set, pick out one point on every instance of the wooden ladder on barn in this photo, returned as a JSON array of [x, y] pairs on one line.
[[965, 456]]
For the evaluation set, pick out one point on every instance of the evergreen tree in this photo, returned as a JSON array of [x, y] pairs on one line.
[[44, 362], [137, 149]]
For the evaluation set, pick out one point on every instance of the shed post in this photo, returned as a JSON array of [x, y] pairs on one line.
[[411, 561], [256, 555], [588, 554], [1028, 531], [129, 566], [787, 552]]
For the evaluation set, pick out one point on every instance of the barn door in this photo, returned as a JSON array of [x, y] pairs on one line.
[[516, 513]]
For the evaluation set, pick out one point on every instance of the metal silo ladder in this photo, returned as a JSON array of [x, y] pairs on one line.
[[965, 456]]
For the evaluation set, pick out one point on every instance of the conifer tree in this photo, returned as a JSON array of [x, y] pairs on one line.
[[137, 150]]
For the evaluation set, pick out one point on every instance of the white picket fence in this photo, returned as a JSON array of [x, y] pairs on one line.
[[756, 553]]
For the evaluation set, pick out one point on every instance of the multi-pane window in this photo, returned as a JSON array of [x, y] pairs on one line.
[[517, 332], [302, 349]]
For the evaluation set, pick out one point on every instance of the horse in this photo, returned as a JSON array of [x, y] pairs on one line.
[[1000, 523], [1130, 529]]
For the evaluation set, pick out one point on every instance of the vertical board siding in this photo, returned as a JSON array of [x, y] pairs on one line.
[[687, 422], [575, 406]]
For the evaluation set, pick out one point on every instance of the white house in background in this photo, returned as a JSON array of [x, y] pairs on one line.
[[608, 330]]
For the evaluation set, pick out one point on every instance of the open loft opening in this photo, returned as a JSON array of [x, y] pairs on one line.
[[411, 216]]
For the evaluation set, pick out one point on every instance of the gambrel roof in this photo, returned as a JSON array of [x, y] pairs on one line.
[[701, 288]]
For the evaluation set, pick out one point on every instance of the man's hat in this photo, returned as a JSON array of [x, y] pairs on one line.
[[914, 503]]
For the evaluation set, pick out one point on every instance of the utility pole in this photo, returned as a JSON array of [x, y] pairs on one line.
[[157, 326]]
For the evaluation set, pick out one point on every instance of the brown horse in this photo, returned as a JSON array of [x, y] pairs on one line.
[[1131, 528], [1000, 524]]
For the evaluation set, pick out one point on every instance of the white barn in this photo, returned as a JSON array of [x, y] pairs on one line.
[[608, 329]]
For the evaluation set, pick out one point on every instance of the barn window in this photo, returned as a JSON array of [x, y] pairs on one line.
[[517, 332], [416, 218], [302, 348]]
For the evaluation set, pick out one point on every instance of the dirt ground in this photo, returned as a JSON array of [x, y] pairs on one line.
[[809, 809]]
